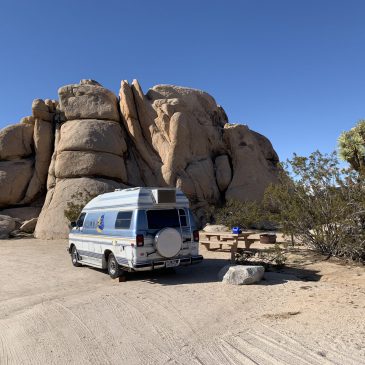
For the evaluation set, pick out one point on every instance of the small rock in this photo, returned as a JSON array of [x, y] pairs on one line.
[[7, 224], [29, 226], [215, 228], [27, 120], [40, 110], [241, 275], [89, 82], [19, 234]]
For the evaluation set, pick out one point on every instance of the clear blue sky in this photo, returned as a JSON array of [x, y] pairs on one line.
[[292, 70]]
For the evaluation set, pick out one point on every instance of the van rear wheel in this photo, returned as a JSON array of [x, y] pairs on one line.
[[75, 257], [113, 267]]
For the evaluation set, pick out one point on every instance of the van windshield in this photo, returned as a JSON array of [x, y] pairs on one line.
[[162, 218]]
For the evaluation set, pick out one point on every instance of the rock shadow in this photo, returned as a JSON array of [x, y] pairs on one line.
[[286, 274], [207, 272]]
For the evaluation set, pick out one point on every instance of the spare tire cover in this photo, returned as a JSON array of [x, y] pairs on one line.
[[168, 242]]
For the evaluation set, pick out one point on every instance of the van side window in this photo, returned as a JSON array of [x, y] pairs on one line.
[[183, 217], [80, 220], [123, 220]]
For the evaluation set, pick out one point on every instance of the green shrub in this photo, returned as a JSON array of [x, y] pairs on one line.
[[75, 206], [321, 204], [239, 214]]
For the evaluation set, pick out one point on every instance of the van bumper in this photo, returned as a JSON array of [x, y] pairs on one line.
[[154, 265]]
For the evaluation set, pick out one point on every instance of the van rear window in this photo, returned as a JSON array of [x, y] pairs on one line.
[[123, 220], [161, 218]]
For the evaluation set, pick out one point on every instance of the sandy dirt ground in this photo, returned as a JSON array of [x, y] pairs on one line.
[[53, 313]]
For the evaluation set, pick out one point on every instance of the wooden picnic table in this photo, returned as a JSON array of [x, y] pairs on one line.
[[230, 239]]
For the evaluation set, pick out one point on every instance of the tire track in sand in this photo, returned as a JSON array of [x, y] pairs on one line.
[[49, 334], [334, 350], [137, 322], [173, 325], [4, 352], [263, 351]]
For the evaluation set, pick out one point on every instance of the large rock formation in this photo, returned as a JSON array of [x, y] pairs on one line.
[[25, 152], [181, 137], [91, 141], [88, 153]]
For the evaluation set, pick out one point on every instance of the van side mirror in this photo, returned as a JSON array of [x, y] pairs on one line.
[[73, 224]]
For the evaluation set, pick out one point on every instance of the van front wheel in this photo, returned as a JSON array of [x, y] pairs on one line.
[[113, 268]]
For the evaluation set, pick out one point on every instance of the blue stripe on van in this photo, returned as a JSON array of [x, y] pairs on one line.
[[95, 255], [81, 238], [182, 204], [122, 260], [88, 240]]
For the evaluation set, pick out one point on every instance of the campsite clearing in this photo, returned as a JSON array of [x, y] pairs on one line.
[[54, 313]]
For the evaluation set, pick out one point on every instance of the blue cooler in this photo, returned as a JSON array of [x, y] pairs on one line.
[[236, 230]]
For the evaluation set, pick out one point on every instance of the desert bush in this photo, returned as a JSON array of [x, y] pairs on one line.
[[77, 203], [239, 214], [321, 204]]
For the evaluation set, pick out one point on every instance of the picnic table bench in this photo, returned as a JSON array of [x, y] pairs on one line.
[[227, 238]]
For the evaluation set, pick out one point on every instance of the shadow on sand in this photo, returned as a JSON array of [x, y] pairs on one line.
[[288, 273], [207, 272]]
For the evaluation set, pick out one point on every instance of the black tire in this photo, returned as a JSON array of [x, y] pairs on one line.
[[114, 269], [75, 257]]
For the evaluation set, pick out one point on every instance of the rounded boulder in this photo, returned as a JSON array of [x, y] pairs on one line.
[[70, 164], [7, 225], [92, 135], [88, 101], [241, 274]]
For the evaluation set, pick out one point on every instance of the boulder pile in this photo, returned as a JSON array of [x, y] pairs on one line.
[[92, 141]]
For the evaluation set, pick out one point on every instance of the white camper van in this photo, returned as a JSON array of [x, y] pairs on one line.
[[135, 229]]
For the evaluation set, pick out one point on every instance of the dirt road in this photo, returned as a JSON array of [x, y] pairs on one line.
[[53, 313]]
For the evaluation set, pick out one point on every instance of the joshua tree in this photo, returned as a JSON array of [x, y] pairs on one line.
[[352, 147]]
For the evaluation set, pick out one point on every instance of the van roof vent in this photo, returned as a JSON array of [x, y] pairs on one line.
[[164, 196]]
